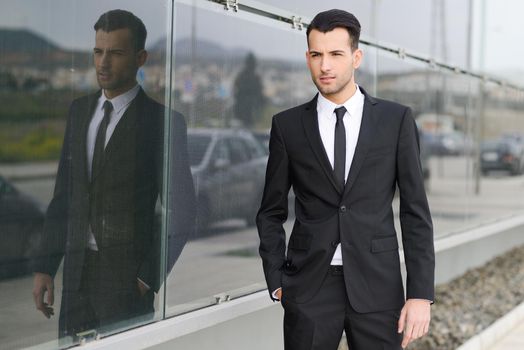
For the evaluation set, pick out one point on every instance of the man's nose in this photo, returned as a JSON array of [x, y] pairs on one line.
[[325, 64], [105, 60]]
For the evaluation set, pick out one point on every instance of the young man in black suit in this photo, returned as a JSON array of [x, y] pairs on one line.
[[345, 153], [102, 214]]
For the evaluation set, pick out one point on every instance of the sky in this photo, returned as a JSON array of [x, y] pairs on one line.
[[496, 36]]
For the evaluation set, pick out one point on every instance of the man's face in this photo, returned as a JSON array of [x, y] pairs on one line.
[[116, 61], [332, 63]]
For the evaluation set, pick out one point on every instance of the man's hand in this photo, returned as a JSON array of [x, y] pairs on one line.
[[414, 320], [41, 283], [278, 294], [142, 287]]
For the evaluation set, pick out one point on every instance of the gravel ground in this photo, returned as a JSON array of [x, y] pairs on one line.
[[472, 302]]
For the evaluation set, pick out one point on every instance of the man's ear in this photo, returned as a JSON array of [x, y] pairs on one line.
[[141, 58], [307, 58], [357, 58]]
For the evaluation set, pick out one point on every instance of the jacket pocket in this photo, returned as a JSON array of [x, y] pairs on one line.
[[384, 244]]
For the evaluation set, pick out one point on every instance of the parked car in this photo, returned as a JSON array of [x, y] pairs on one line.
[[502, 154], [21, 222], [263, 138], [514, 136], [228, 168], [449, 143]]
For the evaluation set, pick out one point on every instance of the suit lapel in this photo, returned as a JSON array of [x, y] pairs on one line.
[[310, 122], [365, 136]]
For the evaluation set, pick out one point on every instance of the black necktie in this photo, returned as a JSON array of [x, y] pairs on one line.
[[340, 147], [98, 155]]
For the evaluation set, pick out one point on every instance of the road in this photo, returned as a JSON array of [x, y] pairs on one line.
[[225, 260]]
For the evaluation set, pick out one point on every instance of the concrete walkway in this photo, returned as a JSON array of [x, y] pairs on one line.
[[507, 333], [514, 340]]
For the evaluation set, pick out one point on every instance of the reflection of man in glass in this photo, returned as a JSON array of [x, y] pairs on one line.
[[344, 153], [103, 210]]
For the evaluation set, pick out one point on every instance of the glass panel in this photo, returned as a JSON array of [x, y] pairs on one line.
[[366, 74], [46, 60], [417, 85], [501, 151], [455, 120], [229, 86], [438, 29], [453, 146]]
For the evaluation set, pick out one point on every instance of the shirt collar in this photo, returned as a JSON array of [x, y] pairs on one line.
[[327, 107], [121, 101]]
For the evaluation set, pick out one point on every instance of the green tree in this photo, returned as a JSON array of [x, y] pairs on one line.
[[8, 82], [248, 93]]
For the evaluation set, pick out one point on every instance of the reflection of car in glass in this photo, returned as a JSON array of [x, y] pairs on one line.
[[514, 136], [503, 154], [449, 143], [228, 168], [21, 220], [263, 138]]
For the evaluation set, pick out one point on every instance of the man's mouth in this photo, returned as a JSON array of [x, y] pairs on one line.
[[104, 75], [326, 79]]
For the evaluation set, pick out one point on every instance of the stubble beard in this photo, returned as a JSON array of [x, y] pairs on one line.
[[332, 90], [107, 85], [114, 84]]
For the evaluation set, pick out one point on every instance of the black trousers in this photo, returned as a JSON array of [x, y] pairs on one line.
[[318, 323], [95, 306]]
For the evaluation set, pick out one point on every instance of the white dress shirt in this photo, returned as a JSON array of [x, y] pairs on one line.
[[326, 124], [120, 104]]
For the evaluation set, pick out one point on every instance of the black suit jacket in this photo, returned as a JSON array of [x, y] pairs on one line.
[[359, 216], [123, 195]]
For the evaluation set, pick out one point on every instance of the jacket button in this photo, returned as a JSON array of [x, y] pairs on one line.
[[343, 209], [334, 244]]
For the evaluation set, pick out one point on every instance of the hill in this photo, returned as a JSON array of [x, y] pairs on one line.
[[22, 48]]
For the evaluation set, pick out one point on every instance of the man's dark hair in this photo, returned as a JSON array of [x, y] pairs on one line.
[[328, 20], [120, 19]]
